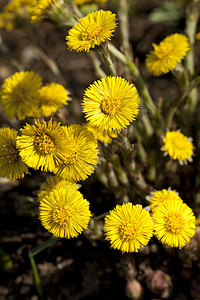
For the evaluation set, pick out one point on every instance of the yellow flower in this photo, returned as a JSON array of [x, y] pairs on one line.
[[198, 36], [91, 31], [64, 212], [54, 182], [42, 145], [82, 155], [101, 135], [167, 54], [19, 94], [15, 11], [197, 222], [11, 165], [81, 2], [159, 197], [174, 223], [40, 8], [52, 96], [178, 146], [128, 227], [111, 103]]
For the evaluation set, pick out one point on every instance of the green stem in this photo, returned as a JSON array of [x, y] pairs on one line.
[[101, 216], [105, 55], [124, 7], [97, 65], [175, 104], [192, 17], [44, 245], [36, 275], [142, 88], [141, 151], [147, 124]]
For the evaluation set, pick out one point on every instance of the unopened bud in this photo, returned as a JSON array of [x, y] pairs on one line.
[[133, 290], [160, 283]]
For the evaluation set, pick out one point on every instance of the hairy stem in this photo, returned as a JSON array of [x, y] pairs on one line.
[[176, 103], [142, 88], [192, 17]]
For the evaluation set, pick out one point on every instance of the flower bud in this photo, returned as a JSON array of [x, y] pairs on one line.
[[160, 283], [133, 290]]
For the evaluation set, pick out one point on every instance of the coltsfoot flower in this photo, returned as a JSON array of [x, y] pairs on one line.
[[174, 223], [64, 212], [167, 54], [82, 154], [42, 145], [111, 103], [20, 94], [52, 96], [14, 11], [11, 164], [53, 182], [198, 36], [178, 146], [91, 31], [81, 2], [39, 9], [158, 197], [128, 227]]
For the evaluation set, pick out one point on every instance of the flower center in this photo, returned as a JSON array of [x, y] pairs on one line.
[[71, 159], [91, 32], [63, 215], [163, 50], [110, 105], [19, 95], [179, 143], [129, 230], [174, 222], [10, 153], [44, 144]]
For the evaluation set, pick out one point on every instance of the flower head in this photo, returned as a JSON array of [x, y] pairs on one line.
[[167, 54], [42, 145], [19, 94], [91, 31], [178, 146], [54, 182], [39, 9], [64, 212], [13, 12], [128, 227], [52, 96], [81, 2], [101, 135], [111, 103], [82, 155], [159, 197], [11, 165], [197, 36], [174, 223]]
